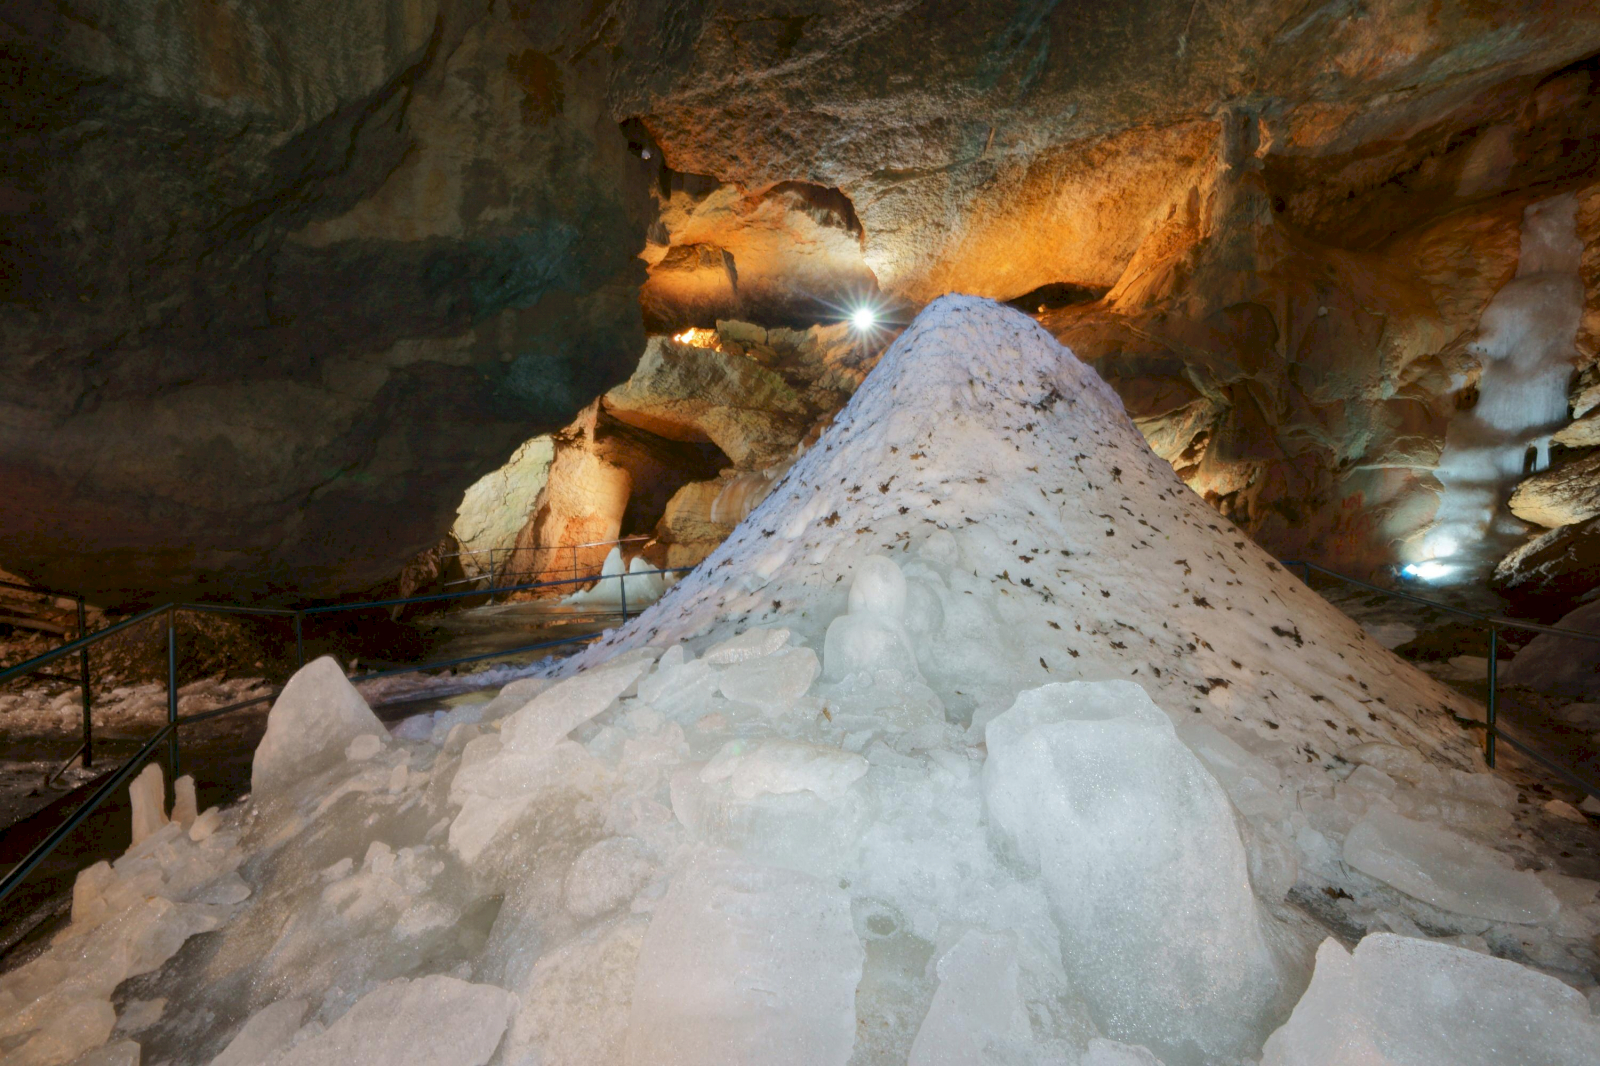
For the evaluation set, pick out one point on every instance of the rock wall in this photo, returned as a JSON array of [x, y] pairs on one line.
[[496, 507], [678, 454], [281, 280]]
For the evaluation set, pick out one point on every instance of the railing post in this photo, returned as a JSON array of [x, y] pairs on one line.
[[299, 639], [83, 678], [622, 585], [172, 691], [491, 577], [1494, 673]]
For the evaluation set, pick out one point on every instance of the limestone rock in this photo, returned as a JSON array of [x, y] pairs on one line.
[[497, 506], [1295, 387], [687, 526], [608, 479], [1564, 666], [1587, 396], [791, 253], [1562, 496], [1019, 146], [682, 392]]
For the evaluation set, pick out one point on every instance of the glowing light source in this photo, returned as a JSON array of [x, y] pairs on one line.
[[1431, 570], [863, 319], [699, 338]]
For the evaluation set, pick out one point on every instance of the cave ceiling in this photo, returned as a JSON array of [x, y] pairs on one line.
[[278, 281]]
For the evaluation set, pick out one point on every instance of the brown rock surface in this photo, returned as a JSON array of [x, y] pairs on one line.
[[687, 526], [1545, 577], [607, 480], [279, 280], [1302, 389], [1022, 144], [1561, 496], [682, 392]]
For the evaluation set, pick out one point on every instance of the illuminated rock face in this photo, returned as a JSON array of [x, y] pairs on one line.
[[1292, 281]]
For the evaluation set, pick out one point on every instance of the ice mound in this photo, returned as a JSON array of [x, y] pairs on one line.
[[316, 715], [635, 584], [1144, 868], [128, 918], [1398, 1001], [829, 801]]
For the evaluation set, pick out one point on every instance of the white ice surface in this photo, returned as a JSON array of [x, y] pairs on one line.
[[1443, 868], [746, 964], [432, 1021], [1399, 1001], [316, 715]]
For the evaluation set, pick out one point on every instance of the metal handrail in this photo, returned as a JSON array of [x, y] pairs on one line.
[[549, 547], [86, 749], [169, 731], [1495, 623], [493, 571]]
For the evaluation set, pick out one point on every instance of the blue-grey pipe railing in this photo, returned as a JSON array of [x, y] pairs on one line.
[[1494, 624], [169, 731]]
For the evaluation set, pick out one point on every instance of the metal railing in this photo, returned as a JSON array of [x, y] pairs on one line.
[[499, 559], [1493, 624], [169, 731], [82, 680]]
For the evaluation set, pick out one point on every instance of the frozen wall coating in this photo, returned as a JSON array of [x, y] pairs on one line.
[[694, 845], [1526, 340]]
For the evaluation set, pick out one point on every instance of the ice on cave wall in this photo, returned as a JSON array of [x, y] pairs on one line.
[[1526, 341], [828, 802]]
